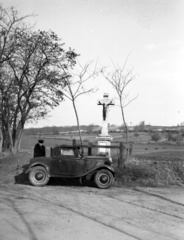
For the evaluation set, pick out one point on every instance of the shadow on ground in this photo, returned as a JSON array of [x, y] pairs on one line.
[[69, 182], [22, 177]]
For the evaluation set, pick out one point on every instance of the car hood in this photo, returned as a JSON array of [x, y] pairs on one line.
[[98, 158]]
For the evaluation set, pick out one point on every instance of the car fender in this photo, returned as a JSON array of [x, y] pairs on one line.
[[39, 164], [110, 168]]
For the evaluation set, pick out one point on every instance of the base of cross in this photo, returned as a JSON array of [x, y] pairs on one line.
[[104, 141]]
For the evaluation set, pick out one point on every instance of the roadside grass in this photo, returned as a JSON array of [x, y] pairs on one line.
[[137, 172], [11, 166], [149, 173]]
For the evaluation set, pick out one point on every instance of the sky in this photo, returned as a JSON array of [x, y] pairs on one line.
[[150, 32]]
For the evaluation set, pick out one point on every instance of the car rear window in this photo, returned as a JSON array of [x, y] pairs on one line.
[[68, 152]]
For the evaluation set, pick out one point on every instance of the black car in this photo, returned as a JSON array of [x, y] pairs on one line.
[[67, 162]]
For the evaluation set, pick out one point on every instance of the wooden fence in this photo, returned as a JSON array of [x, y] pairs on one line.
[[124, 152]]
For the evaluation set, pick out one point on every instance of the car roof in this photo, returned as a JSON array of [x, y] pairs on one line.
[[66, 146]]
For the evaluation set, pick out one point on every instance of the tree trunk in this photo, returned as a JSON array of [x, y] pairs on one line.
[[1, 140], [126, 130], [17, 140], [11, 139], [7, 140], [77, 118], [126, 127]]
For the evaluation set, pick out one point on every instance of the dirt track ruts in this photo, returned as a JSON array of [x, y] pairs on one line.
[[68, 212]]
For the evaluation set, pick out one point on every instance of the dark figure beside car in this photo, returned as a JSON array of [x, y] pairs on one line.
[[39, 149]]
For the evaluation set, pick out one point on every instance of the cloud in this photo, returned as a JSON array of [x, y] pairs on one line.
[[151, 46], [166, 45]]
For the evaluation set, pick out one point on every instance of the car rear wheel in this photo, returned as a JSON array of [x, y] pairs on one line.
[[104, 178], [38, 176]]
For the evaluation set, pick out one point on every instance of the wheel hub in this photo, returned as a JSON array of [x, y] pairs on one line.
[[104, 179], [39, 176]]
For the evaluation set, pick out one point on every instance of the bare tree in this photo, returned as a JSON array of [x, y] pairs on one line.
[[77, 84], [120, 79]]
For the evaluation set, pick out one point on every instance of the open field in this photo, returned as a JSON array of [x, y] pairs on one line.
[[142, 147]]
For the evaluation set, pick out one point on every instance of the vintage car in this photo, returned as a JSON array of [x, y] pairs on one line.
[[67, 162]]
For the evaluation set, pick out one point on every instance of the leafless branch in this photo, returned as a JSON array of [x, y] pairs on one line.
[[120, 79]]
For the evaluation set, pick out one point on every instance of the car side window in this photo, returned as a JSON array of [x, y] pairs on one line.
[[67, 152]]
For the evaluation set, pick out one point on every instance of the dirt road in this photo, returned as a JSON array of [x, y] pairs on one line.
[[86, 213]]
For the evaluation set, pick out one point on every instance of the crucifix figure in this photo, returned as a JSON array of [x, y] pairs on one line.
[[105, 102]]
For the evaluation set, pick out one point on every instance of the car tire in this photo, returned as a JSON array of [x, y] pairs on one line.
[[104, 179], [38, 176]]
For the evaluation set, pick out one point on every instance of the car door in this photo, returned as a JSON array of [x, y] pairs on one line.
[[79, 166], [67, 161]]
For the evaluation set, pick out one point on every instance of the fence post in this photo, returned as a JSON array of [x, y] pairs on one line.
[[74, 142], [121, 159], [89, 149]]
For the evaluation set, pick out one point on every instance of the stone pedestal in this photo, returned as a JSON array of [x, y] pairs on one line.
[[104, 130], [104, 141]]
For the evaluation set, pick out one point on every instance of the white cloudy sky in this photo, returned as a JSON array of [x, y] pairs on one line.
[[152, 31]]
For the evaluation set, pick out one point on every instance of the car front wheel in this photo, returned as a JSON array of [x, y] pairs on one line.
[[38, 176], [104, 178]]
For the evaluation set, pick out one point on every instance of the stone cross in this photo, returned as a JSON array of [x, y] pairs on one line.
[[105, 102]]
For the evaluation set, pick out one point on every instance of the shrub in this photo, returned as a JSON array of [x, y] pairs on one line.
[[136, 134], [155, 136], [179, 138], [151, 173], [175, 137]]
